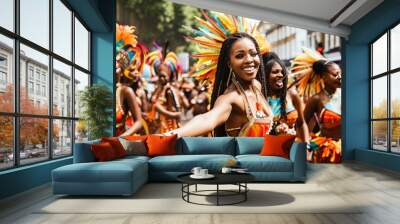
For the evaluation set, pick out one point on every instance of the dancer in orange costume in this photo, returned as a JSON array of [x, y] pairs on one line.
[[129, 62], [230, 59], [320, 82], [168, 101], [286, 104]]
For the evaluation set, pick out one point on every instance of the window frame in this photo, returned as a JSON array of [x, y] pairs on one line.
[[388, 74], [16, 115]]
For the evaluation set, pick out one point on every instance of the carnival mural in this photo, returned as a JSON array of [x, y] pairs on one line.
[[192, 72]]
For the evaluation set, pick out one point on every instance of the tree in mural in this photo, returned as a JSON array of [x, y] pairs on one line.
[[33, 131], [159, 18]]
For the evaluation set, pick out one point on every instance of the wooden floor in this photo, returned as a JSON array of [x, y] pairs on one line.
[[378, 189]]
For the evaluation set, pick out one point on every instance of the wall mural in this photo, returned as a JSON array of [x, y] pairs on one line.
[[191, 72]]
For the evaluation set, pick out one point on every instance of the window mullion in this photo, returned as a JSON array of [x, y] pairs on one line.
[[50, 81], [16, 84], [73, 82], [389, 113]]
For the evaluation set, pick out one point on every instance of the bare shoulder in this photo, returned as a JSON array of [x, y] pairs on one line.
[[292, 94], [314, 100], [127, 90], [230, 93]]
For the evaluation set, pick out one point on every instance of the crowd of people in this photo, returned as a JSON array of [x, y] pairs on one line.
[[237, 87]]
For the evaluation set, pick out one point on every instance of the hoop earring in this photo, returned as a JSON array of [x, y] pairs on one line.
[[229, 77]]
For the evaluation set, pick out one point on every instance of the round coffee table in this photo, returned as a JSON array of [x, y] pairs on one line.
[[238, 179]]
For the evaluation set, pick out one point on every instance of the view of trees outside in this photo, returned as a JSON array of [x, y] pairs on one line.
[[33, 131], [381, 139], [379, 128], [34, 81]]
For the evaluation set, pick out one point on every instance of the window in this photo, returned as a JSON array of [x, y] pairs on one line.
[[3, 72], [46, 75], [30, 73], [385, 96], [7, 14], [30, 87], [3, 78]]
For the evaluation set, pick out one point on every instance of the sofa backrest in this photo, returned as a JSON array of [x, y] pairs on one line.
[[249, 145], [206, 145], [83, 152]]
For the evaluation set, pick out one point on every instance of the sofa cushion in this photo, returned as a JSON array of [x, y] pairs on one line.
[[277, 145], [206, 145], [249, 145], [185, 163], [103, 152], [112, 171], [116, 145], [257, 163], [134, 147], [160, 145]]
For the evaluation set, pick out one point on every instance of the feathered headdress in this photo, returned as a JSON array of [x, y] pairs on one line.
[[307, 81], [209, 35], [124, 37], [136, 56], [132, 53], [158, 57]]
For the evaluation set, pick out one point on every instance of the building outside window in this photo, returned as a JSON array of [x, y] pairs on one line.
[[385, 95], [57, 123]]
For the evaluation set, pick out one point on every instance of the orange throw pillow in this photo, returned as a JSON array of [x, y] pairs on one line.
[[116, 145], [277, 145], [159, 145], [103, 152]]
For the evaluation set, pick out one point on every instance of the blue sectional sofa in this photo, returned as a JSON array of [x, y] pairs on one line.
[[125, 176]]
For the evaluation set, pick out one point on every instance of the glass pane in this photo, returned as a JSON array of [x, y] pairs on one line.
[[6, 142], [6, 74], [62, 29], [81, 45], [62, 89], [395, 138], [81, 81], [35, 21], [379, 135], [33, 139], [7, 14], [81, 131], [62, 138], [379, 55], [34, 96], [379, 98], [395, 47], [395, 95]]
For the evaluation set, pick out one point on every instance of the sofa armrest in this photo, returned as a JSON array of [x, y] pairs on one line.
[[298, 157], [83, 152]]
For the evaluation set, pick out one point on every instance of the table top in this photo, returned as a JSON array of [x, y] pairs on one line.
[[220, 178]]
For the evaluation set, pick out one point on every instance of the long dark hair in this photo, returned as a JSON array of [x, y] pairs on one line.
[[269, 60], [222, 74], [321, 67]]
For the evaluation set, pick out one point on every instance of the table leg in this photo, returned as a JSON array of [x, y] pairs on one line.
[[196, 188], [217, 194], [245, 191]]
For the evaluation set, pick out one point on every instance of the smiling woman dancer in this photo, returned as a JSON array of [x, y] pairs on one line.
[[323, 78], [238, 106], [129, 61], [286, 104]]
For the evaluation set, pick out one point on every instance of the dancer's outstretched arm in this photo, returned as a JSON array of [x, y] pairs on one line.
[[204, 123]]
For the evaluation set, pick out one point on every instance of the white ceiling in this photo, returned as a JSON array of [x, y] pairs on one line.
[[318, 15]]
